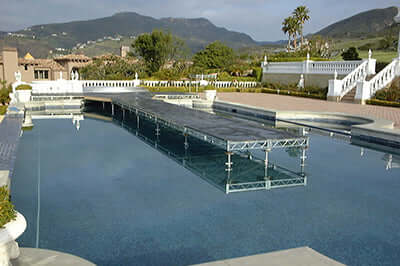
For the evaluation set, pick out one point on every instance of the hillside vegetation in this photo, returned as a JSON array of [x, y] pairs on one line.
[[197, 32], [365, 24]]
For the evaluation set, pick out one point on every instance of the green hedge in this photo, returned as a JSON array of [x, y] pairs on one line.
[[7, 212], [3, 109], [294, 59], [303, 94], [383, 103], [23, 87]]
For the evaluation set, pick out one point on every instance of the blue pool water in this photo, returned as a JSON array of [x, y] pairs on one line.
[[106, 195]]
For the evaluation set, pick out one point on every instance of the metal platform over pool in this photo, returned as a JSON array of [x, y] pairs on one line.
[[229, 133]]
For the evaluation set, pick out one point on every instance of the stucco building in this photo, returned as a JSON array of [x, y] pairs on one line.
[[32, 69]]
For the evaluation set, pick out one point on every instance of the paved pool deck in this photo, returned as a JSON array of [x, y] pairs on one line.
[[290, 103], [303, 256], [44, 257]]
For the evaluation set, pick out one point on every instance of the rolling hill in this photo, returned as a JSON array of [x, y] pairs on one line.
[[369, 23], [197, 32]]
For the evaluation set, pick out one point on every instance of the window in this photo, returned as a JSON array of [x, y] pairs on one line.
[[41, 74], [26, 67]]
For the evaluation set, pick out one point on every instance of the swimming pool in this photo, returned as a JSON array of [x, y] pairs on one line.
[[108, 195]]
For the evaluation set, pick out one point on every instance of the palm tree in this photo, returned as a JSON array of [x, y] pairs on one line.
[[294, 28], [290, 26], [301, 13], [286, 29]]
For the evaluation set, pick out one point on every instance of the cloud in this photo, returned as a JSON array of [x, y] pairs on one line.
[[261, 19]]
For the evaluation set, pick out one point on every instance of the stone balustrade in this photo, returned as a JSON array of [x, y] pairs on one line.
[[310, 67], [57, 87], [367, 89], [216, 84], [339, 88], [109, 83]]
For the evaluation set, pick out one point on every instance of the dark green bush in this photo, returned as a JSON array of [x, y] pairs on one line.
[[5, 92], [7, 212], [380, 66], [383, 103], [351, 54], [3, 109]]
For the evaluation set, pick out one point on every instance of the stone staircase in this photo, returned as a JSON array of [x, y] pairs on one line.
[[349, 97]]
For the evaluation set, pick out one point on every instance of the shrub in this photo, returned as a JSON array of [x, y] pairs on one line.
[[3, 109], [383, 103], [7, 212], [380, 66], [257, 73], [23, 87], [5, 92], [351, 54]]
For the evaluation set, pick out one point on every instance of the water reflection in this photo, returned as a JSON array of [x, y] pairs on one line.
[[229, 172]]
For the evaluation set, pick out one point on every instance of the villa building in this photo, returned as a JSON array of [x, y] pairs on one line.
[[33, 69]]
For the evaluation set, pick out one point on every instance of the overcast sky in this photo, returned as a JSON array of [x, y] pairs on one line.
[[261, 19]]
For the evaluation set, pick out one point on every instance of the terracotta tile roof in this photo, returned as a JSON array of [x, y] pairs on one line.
[[49, 63]]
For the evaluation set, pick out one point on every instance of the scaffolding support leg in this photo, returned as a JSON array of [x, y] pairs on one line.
[[228, 169], [303, 158], [186, 143], [266, 178]]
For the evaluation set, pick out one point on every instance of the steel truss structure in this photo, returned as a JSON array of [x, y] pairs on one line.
[[225, 144], [265, 185], [296, 179]]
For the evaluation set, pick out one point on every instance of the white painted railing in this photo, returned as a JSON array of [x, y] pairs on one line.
[[217, 84], [329, 67], [339, 88], [350, 81], [109, 83], [383, 78], [60, 86], [311, 67], [367, 89]]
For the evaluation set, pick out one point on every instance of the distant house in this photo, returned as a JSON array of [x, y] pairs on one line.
[[33, 69]]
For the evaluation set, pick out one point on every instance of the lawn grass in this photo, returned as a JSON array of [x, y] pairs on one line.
[[379, 55]]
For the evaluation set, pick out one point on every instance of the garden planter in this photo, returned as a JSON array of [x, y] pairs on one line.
[[8, 234]]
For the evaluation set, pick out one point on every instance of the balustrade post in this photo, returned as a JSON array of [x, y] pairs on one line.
[[371, 65], [363, 92], [334, 90]]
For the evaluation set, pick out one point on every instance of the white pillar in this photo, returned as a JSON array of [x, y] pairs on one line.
[[334, 90], [363, 91]]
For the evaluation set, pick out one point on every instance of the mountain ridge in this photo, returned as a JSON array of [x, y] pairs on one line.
[[370, 22], [197, 32]]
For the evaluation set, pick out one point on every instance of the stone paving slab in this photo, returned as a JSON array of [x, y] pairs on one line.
[[303, 256], [10, 129], [290, 103], [44, 257]]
